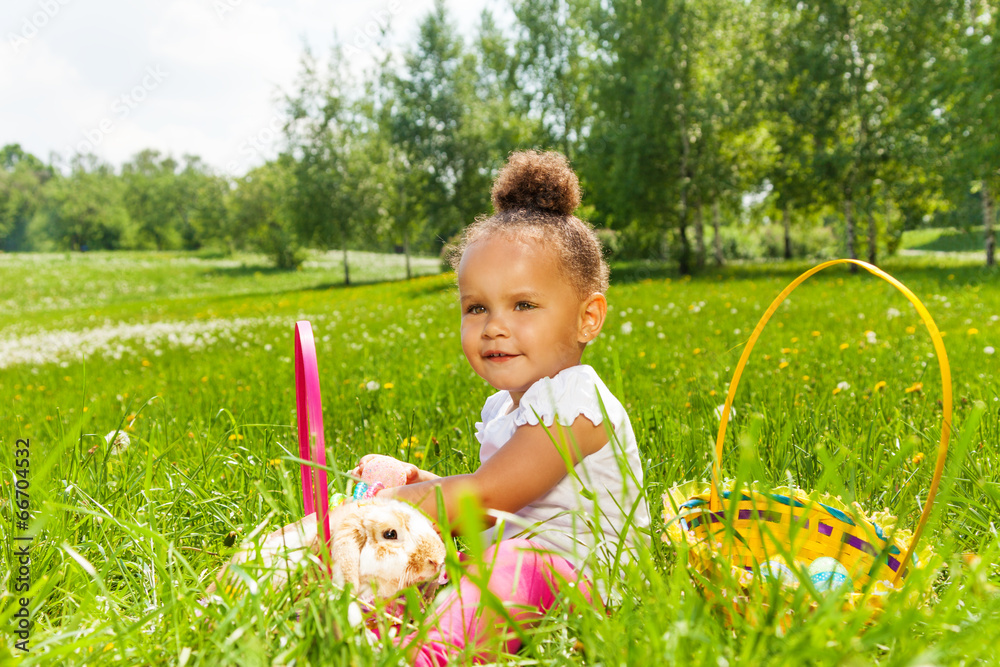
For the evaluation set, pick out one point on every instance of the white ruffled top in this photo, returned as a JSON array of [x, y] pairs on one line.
[[585, 514]]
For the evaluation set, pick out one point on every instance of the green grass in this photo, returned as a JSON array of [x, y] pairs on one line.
[[944, 240], [194, 358]]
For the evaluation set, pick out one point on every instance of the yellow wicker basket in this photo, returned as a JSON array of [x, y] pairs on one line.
[[753, 533]]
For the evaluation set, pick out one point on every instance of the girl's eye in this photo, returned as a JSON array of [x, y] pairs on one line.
[[475, 309], [524, 305]]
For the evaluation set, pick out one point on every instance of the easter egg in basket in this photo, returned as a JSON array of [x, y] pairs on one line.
[[829, 574], [778, 570]]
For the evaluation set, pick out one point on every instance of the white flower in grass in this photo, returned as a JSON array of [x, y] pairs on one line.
[[372, 385], [118, 440], [872, 338], [720, 408], [843, 386], [989, 349], [626, 327], [891, 313]]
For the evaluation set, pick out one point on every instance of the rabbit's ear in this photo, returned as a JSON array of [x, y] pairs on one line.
[[355, 531]]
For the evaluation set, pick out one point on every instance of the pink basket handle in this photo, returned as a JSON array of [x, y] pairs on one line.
[[309, 408]]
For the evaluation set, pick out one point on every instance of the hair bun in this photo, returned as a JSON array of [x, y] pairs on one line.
[[538, 181]]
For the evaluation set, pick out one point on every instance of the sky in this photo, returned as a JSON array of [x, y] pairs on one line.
[[204, 77]]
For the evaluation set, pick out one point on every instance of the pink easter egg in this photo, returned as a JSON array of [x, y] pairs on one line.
[[384, 469]]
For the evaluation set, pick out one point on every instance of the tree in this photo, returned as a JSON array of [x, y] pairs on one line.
[[22, 179], [968, 90], [86, 210], [553, 61], [258, 212], [634, 148], [152, 200], [333, 198], [448, 182], [200, 196]]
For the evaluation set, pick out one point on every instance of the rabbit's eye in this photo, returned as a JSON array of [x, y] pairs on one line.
[[389, 534]]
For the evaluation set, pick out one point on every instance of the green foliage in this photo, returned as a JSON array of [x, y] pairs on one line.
[[258, 210], [879, 112], [22, 178], [87, 209]]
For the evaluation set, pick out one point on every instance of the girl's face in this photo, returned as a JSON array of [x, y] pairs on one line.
[[522, 320]]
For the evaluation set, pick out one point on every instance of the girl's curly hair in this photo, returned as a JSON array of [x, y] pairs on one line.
[[534, 196]]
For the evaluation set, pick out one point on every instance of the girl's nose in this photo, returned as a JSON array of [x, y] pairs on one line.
[[495, 327]]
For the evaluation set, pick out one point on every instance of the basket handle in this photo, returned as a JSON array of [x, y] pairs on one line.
[[715, 501], [309, 409]]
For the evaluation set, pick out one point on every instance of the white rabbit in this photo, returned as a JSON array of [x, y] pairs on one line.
[[378, 547]]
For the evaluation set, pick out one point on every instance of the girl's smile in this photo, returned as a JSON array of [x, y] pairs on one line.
[[522, 319]]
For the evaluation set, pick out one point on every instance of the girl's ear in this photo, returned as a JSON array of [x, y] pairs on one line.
[[592, 313]]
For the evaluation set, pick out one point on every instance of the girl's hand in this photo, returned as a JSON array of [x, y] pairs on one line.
[[412, 472]]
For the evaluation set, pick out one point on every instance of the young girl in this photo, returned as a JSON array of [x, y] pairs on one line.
[[531, 281]]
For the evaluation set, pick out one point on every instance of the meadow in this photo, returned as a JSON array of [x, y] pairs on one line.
[[191, 356]]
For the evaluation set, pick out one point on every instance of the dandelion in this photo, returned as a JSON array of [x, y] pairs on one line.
[[844, 346], [389, 385], [972, 331], [235, 436], [696, 350], [118, 440], [146, 363], [412, 441], [372, 385], [719, 410], [816, 334], [274, 463], [917, 458], [916, 386], [783, 364], [880, 385], [989, 349]]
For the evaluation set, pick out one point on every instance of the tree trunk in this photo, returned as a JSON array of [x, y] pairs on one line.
[[872, 238], [406, 251], [406, 227], [684, 257], [699, 235], [717, 241], [786, 223], [347, 270], [852, 251], [988, 231]]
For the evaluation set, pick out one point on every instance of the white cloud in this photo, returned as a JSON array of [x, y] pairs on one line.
[[71, 65]]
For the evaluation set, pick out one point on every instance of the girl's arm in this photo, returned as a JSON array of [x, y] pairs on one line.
[[523, 470]]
